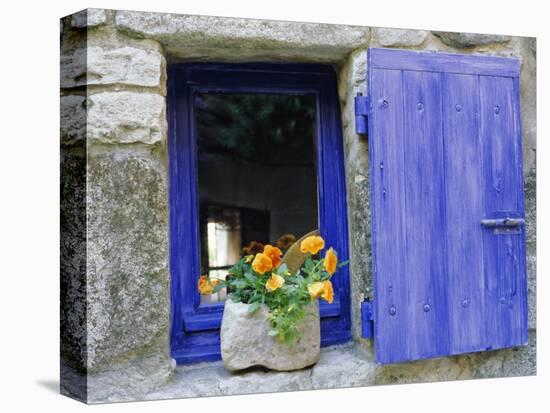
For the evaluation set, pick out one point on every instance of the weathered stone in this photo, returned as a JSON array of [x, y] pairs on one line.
[[88, 18], [128, 295], [245, 341], [209, 37], [532, 285], [469, 39], [400, 37], [521, 361], [344, 366], [439, 369], [126, 117], [103, 66], [528, 106], [259, 381], [73, 283], [72, 119], [131, 380], [353, 80]]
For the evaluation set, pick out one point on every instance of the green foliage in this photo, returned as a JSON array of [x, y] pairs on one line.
[[286, 304]]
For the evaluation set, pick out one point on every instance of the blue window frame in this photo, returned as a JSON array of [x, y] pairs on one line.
[[195, 327]]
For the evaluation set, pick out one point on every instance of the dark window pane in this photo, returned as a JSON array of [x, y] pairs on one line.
[[257, 177]]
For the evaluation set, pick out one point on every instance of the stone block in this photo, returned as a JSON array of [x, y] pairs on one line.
[[245, 341], [237, 39], [107, 66], [470, 39], [344, 366], [72, 119], [400, 37], [126, 117], [88, 18], [128, 293]]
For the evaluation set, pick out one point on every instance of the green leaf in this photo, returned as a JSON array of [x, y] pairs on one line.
[[273, 333], [282, 269], [253, 307], [218, 287]]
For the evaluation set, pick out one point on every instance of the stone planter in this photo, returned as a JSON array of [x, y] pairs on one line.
[[245, 341]]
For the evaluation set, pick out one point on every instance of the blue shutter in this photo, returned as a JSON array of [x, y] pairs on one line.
[[447, 204]]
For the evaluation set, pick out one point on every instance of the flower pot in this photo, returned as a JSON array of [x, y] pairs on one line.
[[245, 341]]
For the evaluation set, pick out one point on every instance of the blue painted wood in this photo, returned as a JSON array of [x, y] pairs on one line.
[[366, 320], [194, 327], [361, 112], [393, 59], [445, 154]]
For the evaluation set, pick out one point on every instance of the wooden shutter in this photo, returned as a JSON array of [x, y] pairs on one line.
[[447, 204]]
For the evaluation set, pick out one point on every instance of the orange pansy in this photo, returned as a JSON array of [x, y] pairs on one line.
[[206, 285], [331, 261], [274, 254], [262, 263]]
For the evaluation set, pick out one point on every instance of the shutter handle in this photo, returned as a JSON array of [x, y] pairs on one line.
[[502, 222]]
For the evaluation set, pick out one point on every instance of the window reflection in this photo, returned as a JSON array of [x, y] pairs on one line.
[[257, 179]]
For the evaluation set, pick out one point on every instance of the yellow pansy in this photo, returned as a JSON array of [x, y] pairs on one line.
[[315, 289], [262, 263], [331, 261], [275, 282], [321, 289], [312, 244]]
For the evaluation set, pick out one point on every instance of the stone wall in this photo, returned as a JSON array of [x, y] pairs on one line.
[[115, 291]]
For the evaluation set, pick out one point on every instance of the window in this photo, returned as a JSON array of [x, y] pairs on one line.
[[255, 154]]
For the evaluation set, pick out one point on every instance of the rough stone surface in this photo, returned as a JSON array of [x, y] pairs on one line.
[[72, 119], [210, 38], [469, 39], [122, 65], [400, 37], [344, 366], [126, 117], [245, 341], [528, 102], [88, 18], [73, 296], [532, 284], [128, 294], [352, 80]]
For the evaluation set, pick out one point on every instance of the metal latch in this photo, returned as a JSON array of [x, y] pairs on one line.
[[504, 225], [361, 114]]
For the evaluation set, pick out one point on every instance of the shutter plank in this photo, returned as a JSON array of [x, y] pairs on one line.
[[387, 151], [425, 235], [464, 209], [504, 266]]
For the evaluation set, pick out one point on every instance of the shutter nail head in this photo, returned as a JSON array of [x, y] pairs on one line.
[[426, 308], [458, 108], [393, 310], [497, 109], [384, 103], [464, 303], [420, 106]]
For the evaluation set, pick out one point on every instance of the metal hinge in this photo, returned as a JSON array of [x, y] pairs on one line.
[[361, 113], [367, 319]]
